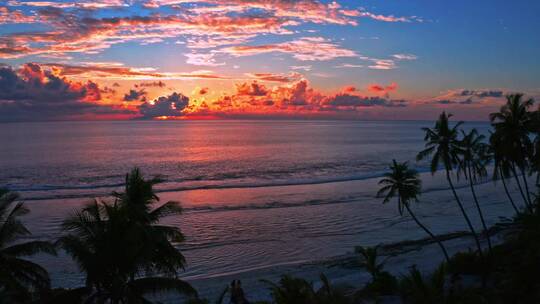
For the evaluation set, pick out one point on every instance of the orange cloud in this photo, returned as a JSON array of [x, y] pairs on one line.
[[378, 89], [203, 91], [71, 27], [251, 89], [43, 91], [8, 16], [253, 98], [305, 48], [73, 33], [273, 77], [106, 71], [349, 89]]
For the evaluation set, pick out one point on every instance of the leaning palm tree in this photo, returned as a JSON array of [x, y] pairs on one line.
[[501, 165], [443, 145], [405, 184], [512, 124], [473, 164], [19, 278], [123, 249]]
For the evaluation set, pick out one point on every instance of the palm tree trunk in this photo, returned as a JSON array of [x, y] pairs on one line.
[[464, 213], [516, 177], [435, 238], [486, 233], [524, 175], [503, 179]]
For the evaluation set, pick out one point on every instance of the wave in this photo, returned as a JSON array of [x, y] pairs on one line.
[[48, 192], [271, 205], [173, 186], [213, 176]]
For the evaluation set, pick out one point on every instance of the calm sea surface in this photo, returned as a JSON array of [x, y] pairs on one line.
[[256, 193], [66, 159]]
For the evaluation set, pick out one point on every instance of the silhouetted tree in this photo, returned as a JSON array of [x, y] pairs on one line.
[[19, 278], [512, 124], [443, 145], [501, 165], [473, 165], [419, 289], [121, 246], [291, 290], [405, 184]]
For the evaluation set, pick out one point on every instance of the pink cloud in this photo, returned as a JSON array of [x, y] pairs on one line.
[[14, 16], [273, 77], [204, 59], [108, 71], [381, 89], [304, 49]]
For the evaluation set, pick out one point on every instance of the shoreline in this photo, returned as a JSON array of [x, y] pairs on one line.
[[345, 269], [329, 232]]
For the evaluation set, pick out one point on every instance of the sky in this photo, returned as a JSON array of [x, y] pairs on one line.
[[274, 59]]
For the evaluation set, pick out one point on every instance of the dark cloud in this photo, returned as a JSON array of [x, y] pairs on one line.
[[467, 101], [482, 93], [135, 95], [158, 84], [171, 105], [251, 89], [348, 100], [32, 93]]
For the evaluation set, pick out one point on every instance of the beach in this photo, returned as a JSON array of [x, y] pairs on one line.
[[264, 242], [278, 200]]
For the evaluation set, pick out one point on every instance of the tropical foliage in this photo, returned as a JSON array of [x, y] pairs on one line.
[[123, 249], [445, 148], [291, 290], [20, 279], [404, 183]]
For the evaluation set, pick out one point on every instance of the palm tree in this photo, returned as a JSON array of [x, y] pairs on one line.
[[121, 246], [418, 288], [291, 290], [369, 262], [137, 201], [442, 142], [405, 183], [512, 124], [534, 128], [19, 278], [473, 165], [501, 165]]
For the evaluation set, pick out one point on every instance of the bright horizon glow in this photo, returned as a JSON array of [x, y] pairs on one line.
[[307, 59]]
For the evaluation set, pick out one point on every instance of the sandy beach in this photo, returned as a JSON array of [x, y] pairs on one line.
[[331, 230]]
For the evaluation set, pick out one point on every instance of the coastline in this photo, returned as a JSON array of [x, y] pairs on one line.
[[330, 253], [345, 269]]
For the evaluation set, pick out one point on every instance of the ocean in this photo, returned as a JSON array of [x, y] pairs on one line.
[[257, 195]]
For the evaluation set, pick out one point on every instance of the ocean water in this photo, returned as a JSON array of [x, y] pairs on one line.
[[256, 194], [77, 159]]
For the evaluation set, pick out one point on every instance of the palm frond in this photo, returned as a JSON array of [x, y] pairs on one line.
[[29, 248]]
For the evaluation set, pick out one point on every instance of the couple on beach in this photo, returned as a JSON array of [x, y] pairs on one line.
[[237, 293]]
